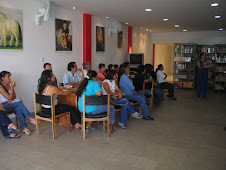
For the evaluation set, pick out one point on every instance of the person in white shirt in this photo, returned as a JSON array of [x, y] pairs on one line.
[[86, 68], [161, 79]]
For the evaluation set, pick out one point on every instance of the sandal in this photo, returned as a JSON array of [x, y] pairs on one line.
[[32, 121], [16, 136], [11, 129], [91, 129], [27, 131]]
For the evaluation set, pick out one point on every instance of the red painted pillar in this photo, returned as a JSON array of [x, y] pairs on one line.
[[129, 40], [87, 37], [153, 55]]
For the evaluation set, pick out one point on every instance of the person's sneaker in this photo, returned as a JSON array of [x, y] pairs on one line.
[[137, 115], [122, 125], [33, 121], [148, 118], [27, 131]]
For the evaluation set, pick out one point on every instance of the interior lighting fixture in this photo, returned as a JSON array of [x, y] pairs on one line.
[[73, 7], [107, 17], [217, 16], [214, 4], [221, 29], [177, 26], [185, 30], [127, 23], [148, 10], [165, 19]]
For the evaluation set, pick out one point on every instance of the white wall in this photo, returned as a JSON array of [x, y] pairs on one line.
[[202, 38], [141, 43], [112, 54]]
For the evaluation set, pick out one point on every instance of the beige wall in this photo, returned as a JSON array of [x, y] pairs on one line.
[[164, 54]]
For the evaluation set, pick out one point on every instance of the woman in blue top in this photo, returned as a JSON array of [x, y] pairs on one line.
[[90, 87], [126, 86], [202, 76]]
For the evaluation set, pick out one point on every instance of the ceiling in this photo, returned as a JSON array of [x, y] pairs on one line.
[[193, 15]]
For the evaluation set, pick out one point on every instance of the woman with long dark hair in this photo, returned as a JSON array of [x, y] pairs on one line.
[[202, 76], [11, 103], [109, 86], [126, 86], [45, 88], [90, 87], [161, 79]]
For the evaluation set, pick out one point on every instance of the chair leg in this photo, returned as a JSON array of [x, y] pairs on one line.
[[104, 124], [108, 130], [84, 128], [53, 129], [69, 123], [16, 121], [37, 126]]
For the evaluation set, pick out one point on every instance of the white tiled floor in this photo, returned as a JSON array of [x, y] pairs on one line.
[[186, 134]]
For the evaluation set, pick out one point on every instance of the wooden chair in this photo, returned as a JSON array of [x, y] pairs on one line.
[[10, 113], [149, 97], [39, 115], [95, 100]]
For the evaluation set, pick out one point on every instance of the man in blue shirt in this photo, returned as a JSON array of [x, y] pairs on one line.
[[71, 78]]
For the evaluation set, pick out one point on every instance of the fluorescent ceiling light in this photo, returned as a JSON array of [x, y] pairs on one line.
[[185, 30], [148, 10], [107, 17], [177, 26], [214, 4], [165, 19], [221, 29], [73, 7], [217, 16]]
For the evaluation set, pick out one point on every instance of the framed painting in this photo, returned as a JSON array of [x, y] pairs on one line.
[[100, 38], [11, 29], [63, 30], [120, 39]]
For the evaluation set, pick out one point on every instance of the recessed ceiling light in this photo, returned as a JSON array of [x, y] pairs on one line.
[[185, 30], [165, 19], [73, 7], [148, 10], [141, 28], [150, 30], [217, 16], [214, 4], [127, 23], [107, 17], [146, 29], [177, 26], [221, 29]]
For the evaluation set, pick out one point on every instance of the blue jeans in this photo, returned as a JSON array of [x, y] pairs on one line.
[[4, 123], [103, 108], [125, 105], [142, 101], [158, 94], [20, 110]]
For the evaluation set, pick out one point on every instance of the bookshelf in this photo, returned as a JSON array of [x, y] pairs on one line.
[[184, 65]]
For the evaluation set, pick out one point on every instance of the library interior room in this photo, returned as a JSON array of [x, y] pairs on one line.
[[103, 84]]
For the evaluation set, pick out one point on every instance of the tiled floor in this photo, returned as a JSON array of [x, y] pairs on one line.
[[186, 134]]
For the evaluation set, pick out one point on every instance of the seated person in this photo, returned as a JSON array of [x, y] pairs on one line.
[[47, 66], [161, 79], [71, 77], [86, 68], [111, 67], [101, 74], [90, 87], [7, 127], [126, 86], [116, 68], [109, 86], [45, 88], [11, 103], [158, 93]]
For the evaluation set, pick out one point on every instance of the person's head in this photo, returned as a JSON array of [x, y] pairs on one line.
[[86, 65], [203, 55], [60, 30], [160, 67], [124, 68], [141, 69], [64, 25], [91, 75], [5, 77], [110, 75], [149, 68], [47, 66], [102, 67], [116, 68], [47, 77], [72, 67], [111, 67]]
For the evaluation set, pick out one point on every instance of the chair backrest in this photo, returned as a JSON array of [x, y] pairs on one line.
[[96, 100], [41, 99]]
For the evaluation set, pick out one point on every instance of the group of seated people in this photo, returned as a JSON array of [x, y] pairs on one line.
[[114, 81]]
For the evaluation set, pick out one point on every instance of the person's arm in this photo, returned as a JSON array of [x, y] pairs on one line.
[[10, 96], [1, 107], [129, 83], [97, 89], [199, 66], [55, 90], [66, 80], [82, 74], [98, 93], [108, 90]]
